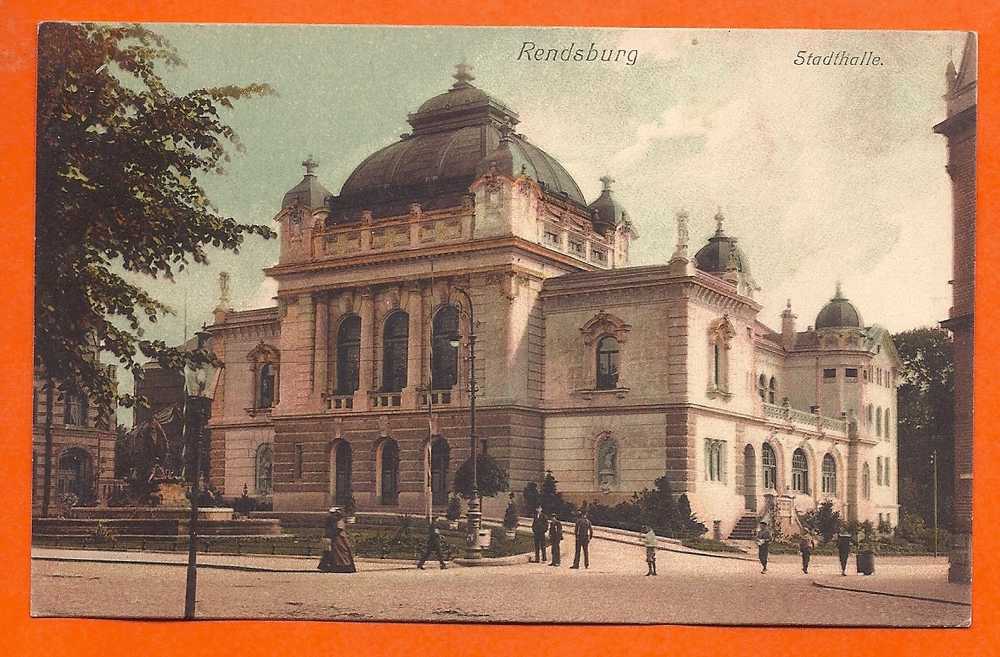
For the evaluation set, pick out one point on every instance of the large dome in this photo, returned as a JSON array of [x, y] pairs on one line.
[[839, 313], [452, 135]]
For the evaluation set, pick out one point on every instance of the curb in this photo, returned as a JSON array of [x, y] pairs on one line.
[[892, 595], [512, 560], [181, 564]]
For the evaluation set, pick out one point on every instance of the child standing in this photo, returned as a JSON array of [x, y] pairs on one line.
[[649, 540]]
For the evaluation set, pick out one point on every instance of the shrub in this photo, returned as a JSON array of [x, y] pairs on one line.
[[532, 498], [656, 508], [823, 521], [454, 511], [492, 477], [552, 501]]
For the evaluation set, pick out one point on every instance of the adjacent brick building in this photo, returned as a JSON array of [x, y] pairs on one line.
[[960, 130], [608, 375]]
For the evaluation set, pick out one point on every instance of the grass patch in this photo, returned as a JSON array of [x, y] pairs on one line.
[[709, 545]]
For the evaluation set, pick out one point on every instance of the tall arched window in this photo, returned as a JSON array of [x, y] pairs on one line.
[[800, 472], [878, 421], [395, 337], [348, 355], [772, 390], [389, 471], [828, 482], [607, 363], [886, 478], [762, 387], [887, 425], [866, 481], [871, 415], [878, 470], [342, 473], [265, 386], [263, 469], [770, 464], [440, 454], [444, 360], [715, 460]]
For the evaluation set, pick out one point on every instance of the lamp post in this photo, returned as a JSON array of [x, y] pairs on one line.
[[934, 464], [473, 550], [199, 388]]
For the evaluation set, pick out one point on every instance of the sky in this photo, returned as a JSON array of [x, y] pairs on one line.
[[824, 173]]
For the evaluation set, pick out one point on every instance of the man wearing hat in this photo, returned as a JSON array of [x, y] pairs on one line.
[[764, 537]]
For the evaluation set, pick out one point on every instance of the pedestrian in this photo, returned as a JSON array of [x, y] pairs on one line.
[[555, 537], [584, 531], [433, 544], [539, 525], [806, 547], [337, 554], [764, 537], [649, 540], [843, 549]]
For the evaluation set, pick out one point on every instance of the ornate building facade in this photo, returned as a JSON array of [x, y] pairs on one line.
[[608, 375], [960, 130]]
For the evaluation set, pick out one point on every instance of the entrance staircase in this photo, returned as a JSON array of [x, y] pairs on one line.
[[745, 529]]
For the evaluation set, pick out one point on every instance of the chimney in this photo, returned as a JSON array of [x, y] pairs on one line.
[[788, 326]]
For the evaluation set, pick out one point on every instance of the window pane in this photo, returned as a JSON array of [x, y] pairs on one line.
[[607, 363], [348, 355], [444, 360], [394, 352]]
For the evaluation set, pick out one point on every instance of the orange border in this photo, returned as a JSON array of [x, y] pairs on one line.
[[245, 638]]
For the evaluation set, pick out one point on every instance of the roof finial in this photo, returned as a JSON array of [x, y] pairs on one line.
[[607, 181], [310, 164], [681, 249], [719, 218], [838, 294], [463, 75]]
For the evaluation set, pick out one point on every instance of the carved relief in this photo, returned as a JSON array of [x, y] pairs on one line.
[[604, 323]]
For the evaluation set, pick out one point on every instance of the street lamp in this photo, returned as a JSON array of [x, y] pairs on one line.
[[473, 550], [934, 464], [200, 381]]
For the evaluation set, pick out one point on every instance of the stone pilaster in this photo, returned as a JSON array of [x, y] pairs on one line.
[[367, 369]]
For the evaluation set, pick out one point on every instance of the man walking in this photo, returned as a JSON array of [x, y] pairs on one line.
[[433, 544], [584, 532], [555, 538], [763, 544], [843, 550], [539, 526], [806, 547], [649, 540]]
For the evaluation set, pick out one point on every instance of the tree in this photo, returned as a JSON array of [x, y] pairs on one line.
[[551, 499], [492, 477], [532, 498], [925, 421], [119, 157], [823, 521]]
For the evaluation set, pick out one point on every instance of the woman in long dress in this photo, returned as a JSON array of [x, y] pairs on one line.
[[337, 555]]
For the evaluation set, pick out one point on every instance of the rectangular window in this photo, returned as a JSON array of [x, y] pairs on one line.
[[576, 246], [829, 374], [300, 459], [851, 373], [599, 255], [551, 238]]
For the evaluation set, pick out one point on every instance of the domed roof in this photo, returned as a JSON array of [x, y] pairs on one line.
[[838, 313], [606, 209], [721, 254], [309, 193], [453, 133]]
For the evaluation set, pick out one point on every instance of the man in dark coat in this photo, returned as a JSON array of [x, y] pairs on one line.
[[555, 538], [764, 537], [433, 544], [844, 550], [584, 532], [538, 528]]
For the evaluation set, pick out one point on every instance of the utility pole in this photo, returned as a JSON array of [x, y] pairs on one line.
[[934, 465]]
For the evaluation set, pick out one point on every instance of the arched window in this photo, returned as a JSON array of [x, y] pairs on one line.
[[772, 390], [770, 464], [348, 355], [866, 481], [762, 387], [878, 421], [607, 463], [389, 472], [607, 363], [444, 360], [75, 409], [76, 474], [395, 337], [800, 472], [265, 386], [887, 425], [715, 460], [720, 335], [828, 482], [871, 415], [342, 473], [263, 469], [878, 470], [886, 479], [440, 455]]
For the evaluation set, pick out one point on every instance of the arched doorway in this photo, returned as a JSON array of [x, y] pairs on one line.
[[76, 474], [749, 479], [439, 471], [342, 473], [389, 471]]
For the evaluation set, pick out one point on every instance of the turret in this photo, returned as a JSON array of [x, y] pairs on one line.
[[788, 326]]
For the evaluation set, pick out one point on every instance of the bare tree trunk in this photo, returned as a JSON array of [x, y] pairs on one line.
[[47, 467]]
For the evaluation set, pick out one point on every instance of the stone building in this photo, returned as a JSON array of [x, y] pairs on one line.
[[608, 375], [960, 130]]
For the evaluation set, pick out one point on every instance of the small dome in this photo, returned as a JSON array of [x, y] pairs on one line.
[[309, 193], [839, 313], [721, 254], [606, 210]]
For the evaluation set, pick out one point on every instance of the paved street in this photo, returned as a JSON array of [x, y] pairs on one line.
[[690, 589]]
